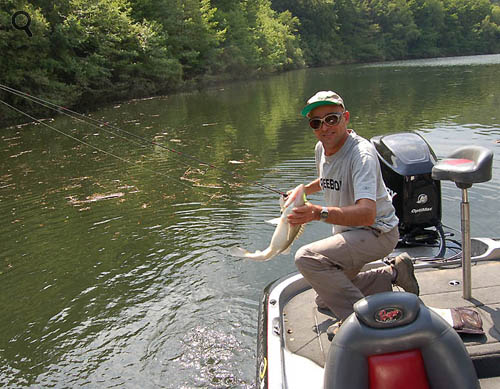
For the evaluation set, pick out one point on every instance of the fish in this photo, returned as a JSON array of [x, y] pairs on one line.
[[284, 235]]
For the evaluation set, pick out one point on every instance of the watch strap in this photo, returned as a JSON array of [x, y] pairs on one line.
[[323, 214]]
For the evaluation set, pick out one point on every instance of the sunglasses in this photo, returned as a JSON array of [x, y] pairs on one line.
[[330, 120]]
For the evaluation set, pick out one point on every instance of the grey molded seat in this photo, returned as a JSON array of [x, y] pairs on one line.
[[395, 322], [465, 166]]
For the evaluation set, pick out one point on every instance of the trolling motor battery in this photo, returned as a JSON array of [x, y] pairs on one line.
[[406, 162]]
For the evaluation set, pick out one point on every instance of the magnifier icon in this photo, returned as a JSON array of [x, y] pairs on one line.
[[26, 25]]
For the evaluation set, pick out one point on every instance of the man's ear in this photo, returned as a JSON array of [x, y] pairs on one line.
[[347, 115]]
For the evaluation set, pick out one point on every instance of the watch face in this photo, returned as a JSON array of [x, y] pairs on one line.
[[324, 214]]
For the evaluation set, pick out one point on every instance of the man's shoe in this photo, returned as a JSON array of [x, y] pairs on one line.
[[333, 329], [405, 274], [322, 307]]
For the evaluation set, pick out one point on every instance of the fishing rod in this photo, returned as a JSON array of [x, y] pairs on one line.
[[82, 118], [100, 124], [95, 147], [88, 120]]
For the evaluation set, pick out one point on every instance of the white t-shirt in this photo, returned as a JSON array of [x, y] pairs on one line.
[[353, 173]]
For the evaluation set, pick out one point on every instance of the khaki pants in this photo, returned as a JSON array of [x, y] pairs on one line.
[[332, 265]]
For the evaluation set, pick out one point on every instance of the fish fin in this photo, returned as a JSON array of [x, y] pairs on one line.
[[274, 221], [238, 252], [259, 256], [301, 230]]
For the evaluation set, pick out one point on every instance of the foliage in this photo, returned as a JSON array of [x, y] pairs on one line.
[[462, 24], [429, 17], [192, 33], [258, 39], [360, 30], [397, 26], [85, 52], [319, 29], [104, 53]]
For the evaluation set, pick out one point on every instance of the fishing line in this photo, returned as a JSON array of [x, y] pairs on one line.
[[99, 124], [97, 148], [86, 120], [79, 117]]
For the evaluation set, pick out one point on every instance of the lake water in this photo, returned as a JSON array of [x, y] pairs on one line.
[[116, 274]]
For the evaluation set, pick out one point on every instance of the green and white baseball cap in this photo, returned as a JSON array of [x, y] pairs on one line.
[[322, 98]]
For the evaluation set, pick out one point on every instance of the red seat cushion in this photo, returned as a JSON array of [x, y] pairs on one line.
[[398, 370]]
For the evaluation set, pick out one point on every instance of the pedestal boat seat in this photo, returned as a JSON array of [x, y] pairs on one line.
[[392, 340], [465, 166]]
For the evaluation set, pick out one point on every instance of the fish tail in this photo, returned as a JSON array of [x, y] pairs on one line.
[[238, 252], [257, 256]]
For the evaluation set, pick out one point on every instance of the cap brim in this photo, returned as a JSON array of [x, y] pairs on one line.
[[308, 108]]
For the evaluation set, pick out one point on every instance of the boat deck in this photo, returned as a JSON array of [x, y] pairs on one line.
[[305, 327]]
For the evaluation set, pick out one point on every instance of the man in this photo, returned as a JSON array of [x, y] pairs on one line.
[[365, 226]]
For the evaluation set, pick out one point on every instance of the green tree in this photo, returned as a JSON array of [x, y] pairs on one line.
[[258, 39], [429, 17], [495, 14], [191, 30], [278, 48], [25, 62], [87, 51], [398, 29], [360, 33], [240, 52], [319, 29], [462, 21], [54, 11], [489, 33], [104, 53]]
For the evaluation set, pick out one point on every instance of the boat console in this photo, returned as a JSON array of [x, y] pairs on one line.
[[406, 162]]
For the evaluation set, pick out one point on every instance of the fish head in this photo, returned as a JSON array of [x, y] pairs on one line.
[[297, 197]]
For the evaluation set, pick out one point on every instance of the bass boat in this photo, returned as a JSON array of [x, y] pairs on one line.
[[448, 337]]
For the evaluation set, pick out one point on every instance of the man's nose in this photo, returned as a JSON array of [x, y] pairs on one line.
[[323, 126]]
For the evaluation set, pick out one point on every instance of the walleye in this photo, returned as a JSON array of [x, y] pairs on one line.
[[284, 234]]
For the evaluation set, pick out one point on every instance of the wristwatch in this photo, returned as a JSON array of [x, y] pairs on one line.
[[323, 214]]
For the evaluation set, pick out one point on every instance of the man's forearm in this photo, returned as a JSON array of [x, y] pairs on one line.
[[312, 187], [362, 213]]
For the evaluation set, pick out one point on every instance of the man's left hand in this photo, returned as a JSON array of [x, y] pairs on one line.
[[304, 214]]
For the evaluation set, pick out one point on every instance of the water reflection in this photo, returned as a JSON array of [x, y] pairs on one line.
[[481, 60]]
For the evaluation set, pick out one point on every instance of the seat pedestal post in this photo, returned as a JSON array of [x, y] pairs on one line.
[[466, 246], [465, 166]]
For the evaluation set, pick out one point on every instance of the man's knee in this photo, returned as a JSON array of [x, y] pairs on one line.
[[302, 257], [309, 261]]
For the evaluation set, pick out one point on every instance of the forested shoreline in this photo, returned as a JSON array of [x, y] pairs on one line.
[[87, 52]]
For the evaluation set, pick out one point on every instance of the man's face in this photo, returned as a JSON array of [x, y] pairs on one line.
[[332, 137]]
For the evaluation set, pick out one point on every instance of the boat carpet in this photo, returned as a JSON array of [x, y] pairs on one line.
[[305, 327]]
